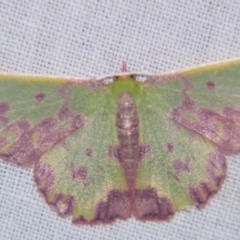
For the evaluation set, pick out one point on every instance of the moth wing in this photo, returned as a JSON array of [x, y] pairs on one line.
[[66, 128], [187, 120]]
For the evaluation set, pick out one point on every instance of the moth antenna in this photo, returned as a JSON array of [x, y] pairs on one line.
[[124, 66]]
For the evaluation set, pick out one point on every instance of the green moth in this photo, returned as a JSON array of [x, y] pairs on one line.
[[106, 151]]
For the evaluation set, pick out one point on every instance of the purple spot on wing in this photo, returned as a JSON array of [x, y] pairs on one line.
[[117, 206], [114, 152], [186, 83], [181, 166], [143, 150], [63, 90], [51, 138], [76, 123], [232, 114], [170, 147], [187, 104], [33, 142], [22, 152], [79, 173], [210, 85], [65, 113], [149, 206], [216, 172], [211, 125], [219, 129], [19, 127], [89, 152], [201, 194], [40, 96], [44, 177], [63, 204], [45, 128], [4, 108], [216, 167], [3, 142]]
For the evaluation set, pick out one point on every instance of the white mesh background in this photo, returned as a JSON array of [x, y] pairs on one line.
[[91, 38]]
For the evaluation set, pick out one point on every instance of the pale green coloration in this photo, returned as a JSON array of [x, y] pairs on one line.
[[71, 131]]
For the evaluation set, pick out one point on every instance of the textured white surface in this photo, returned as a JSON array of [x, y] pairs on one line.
[[90, 38]]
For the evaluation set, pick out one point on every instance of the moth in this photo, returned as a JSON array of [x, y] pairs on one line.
[[105, 151]]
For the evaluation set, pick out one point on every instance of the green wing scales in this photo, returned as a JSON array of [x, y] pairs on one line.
[[66, 129], [106, 151], [89, 184], [186, 165]]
